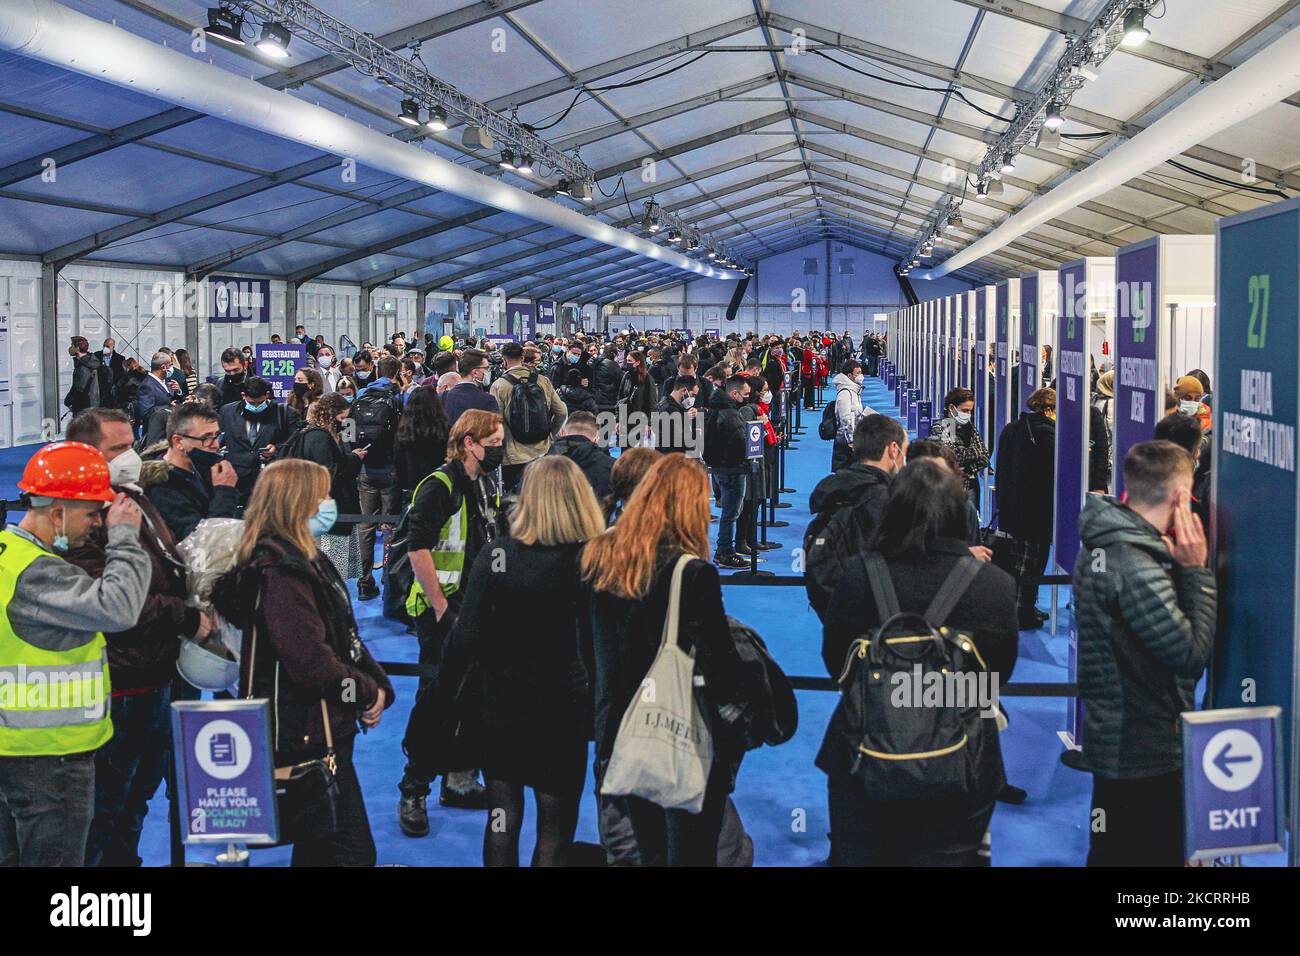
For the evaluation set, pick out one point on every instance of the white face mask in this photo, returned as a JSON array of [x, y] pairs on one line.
[[124, 469], [688, 401], [963, 418], [858, 379], [766, 398], [1189, 406], [325, 361]]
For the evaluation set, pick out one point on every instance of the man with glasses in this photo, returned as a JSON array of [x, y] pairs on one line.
[[192, 481], [472, 391]]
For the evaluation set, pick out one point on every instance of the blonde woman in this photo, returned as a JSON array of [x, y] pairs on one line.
[[301, 651], [535, 721]]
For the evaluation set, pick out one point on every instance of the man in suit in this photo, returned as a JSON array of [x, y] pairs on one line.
[[252, 428], [112, 369], [157, 392]]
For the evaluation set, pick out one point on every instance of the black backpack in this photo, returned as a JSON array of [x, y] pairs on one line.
[[832, 540], [830, 423], [904, 748], [376, 413], [530, 412]]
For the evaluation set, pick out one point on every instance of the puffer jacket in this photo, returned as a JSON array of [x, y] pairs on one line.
[[848, 407], [1146, 629], [605, 377]]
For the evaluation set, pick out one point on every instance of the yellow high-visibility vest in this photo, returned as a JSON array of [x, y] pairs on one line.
[[51, 702]]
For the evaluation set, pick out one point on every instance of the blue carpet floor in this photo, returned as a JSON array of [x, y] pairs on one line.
[[781, 796]]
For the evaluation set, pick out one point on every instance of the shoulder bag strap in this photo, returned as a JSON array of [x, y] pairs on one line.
[[882, 586], [957, 582], [672, 619], [252, 645]]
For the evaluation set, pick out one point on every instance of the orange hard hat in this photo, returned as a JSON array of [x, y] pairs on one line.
[[68, 470]]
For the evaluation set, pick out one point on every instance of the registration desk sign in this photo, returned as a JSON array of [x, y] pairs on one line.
[[1232, 781], [225, 771]]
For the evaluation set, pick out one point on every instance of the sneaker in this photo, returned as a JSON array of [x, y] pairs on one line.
[[367, 589], [469, 797], [745, 551], [412, 816], [1012, 795], [731, 561]]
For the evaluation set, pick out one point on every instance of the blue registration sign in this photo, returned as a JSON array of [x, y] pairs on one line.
[[225, 771], [278, 364], [913, 401], [754, 440], [1232, 781]]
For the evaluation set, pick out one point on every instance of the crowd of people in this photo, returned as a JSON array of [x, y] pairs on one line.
[[521, 476]]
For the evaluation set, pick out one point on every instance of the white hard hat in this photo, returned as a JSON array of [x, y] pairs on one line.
[[204, 669]]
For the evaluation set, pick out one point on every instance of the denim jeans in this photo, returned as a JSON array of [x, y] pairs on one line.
[[128, 770], [45, 808], [733, 498]]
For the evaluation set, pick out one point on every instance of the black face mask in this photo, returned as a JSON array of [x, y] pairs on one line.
[[203, 461], [493, 456], [235, 376], [300, 389]]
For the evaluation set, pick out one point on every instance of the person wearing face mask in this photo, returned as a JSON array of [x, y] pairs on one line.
[[252, 429], [112, 370], [308, 385], [680, 425], [236, 371], [566, 361], [53, 616], [302, 651], [848, 410], [1189, 391], [86, 365], [347, 388], [472, 391], [1026, 501], [191, 480], [452, 517], [141, 658], [1146, 621], [363, 368], [957, 430], [330, 372]]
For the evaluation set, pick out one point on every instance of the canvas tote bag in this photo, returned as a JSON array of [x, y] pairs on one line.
[[663, 750]]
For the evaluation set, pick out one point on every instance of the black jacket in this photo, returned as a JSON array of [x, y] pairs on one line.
[[1026, 478], [530, 672], [987, 611], [642, 395], [412, 463], [605, 378], [678, 430], [560, 370], [1146, 629], [84, 392], [185, 498], [111, 374], [274, 426], [864, 488], [578, 399], [725, 436], [232, 389], [620, 638], [307, 648], [590, 457]]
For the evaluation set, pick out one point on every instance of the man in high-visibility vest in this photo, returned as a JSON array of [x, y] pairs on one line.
[[54, 681]]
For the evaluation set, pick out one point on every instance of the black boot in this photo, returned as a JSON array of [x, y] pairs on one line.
[[412, 815]]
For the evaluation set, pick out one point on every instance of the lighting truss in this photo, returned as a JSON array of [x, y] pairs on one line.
[[365, 54], [1079, 63]]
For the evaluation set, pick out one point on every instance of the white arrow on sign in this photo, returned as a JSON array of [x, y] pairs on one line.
[[1232, 760]]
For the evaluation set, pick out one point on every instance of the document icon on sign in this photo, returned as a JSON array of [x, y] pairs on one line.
[[221, 750]]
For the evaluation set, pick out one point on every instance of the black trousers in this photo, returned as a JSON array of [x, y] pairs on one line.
[[809, 393], [1024, 561], [1137, 822], [864, 833], [421, 726], [675, 837]]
